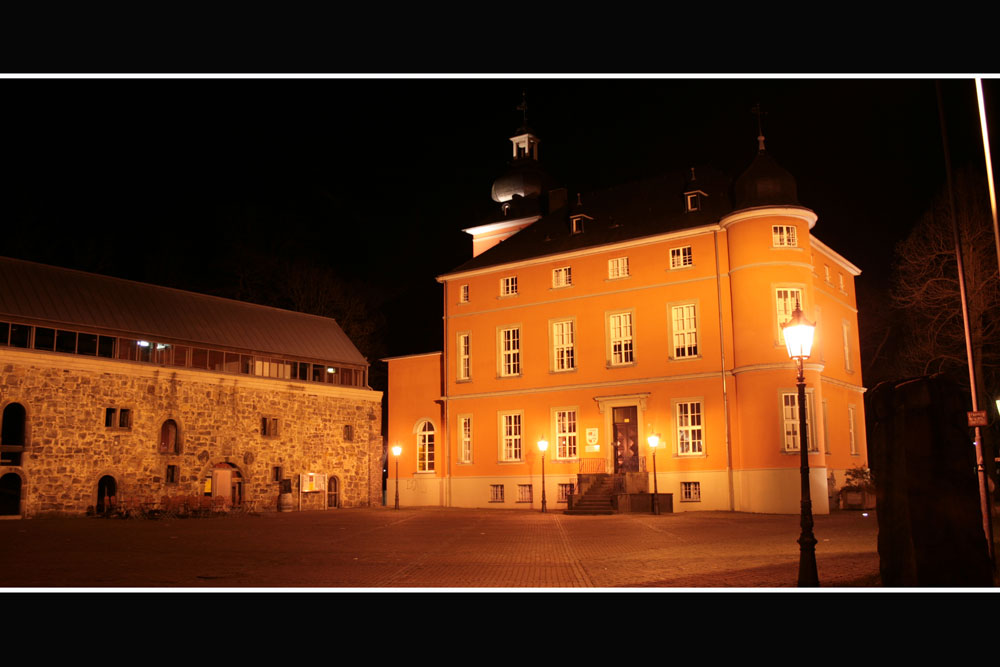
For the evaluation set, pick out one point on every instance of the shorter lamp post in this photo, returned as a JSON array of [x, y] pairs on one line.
[[396, 451], [654, 441], [798, 339], [542, 446]]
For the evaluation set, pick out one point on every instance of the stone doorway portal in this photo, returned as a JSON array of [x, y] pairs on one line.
[[10, 495], [107, 492]]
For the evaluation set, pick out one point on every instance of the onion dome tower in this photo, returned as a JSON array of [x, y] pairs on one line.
[[524, 176]]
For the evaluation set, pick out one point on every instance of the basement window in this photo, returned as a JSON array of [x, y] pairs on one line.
[[524, 493], [496, 493], [690, 492]]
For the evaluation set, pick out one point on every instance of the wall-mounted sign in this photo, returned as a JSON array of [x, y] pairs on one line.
[[592, 435], [312, 482]]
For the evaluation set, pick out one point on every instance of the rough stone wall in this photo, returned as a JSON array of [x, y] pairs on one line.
[[218, 417]]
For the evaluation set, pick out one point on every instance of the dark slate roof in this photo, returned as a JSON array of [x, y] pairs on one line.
[[765, 183], [634, 210], [81, 300]]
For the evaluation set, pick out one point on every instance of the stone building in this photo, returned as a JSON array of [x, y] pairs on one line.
[[594, 321], [116, 393]]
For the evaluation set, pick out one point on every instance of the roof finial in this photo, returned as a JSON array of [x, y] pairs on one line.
[[578, 199], [756, 110], [523, 107], [692, 174]]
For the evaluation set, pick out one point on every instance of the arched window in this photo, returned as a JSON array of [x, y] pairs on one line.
[[425, 447], [12, 434], [169, 442]]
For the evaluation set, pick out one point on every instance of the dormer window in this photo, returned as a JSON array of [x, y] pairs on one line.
[[693, 200], [576, 225]]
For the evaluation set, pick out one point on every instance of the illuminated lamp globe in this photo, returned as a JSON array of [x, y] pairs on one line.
[[653, 441], [799, 333], [396, 450], [543, 445]]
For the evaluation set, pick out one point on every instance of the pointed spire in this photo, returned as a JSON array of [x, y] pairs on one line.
[[756, 110]]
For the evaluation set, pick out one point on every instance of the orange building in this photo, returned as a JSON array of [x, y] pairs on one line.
[[595, 321]]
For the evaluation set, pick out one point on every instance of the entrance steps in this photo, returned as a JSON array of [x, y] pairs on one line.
[[595, 498]]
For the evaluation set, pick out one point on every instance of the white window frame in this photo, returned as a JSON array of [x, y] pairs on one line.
[[690, 492], [465, 438], [852, 429], [566, 426], [508, 286], [790, 422], [681, 257], [827, 275], [618, 268], [563, 334], [425, 445], [843, 284], [784, 306], [525, 493], [846, 329], [509, 351], [684, 331], [689, 427], [784, 236], [564, 490], [463, 293], [562, 277], [621, 338], [496, 493], [463, 368], [511, 436]]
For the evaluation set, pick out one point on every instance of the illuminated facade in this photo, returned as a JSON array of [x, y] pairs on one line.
[[595, 321], [115, 393]]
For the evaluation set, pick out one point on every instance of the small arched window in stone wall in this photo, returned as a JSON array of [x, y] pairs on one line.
[[169, 439], [12, 434]]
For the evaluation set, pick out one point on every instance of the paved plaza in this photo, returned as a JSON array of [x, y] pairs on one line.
[[436, 548]]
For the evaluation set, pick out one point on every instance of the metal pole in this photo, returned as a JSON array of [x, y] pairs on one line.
[[543, 481], [808, 576], [656, 489], [397, 484]]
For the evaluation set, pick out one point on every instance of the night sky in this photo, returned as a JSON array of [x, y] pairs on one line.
[[176, 181]]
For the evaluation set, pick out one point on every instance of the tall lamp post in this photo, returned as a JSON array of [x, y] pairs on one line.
[[542, 446], [654, 441], [396, 451], [799, 339]]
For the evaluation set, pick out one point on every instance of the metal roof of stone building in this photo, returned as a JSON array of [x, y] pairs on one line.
[[634, 210], [75, 299]]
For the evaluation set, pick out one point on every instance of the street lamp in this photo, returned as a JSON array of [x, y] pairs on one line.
[[543, 444], [798, 339], [396, 451], [654, 441]]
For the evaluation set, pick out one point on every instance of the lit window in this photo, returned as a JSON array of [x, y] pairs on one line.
[[786, 299], [563, 346], [463, 294], [524, 494], [690, 437], [790, 417], [618, 268], [565, 434], [464, 358], [562, 277], [465, 433], [690, 492], [508, 286], [680, 257], [510, 351], [269, 426], [510, 436], [620, 326], [784, 236], [425, 447], [685, 331], [565, 491], [496, 493]]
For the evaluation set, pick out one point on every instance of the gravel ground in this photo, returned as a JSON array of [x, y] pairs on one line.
[[436, 548]]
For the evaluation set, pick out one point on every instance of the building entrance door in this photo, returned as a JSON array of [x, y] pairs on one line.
[[625, 433]]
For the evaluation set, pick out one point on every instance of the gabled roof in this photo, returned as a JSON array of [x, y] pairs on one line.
[[634, 210], [75, 299]]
